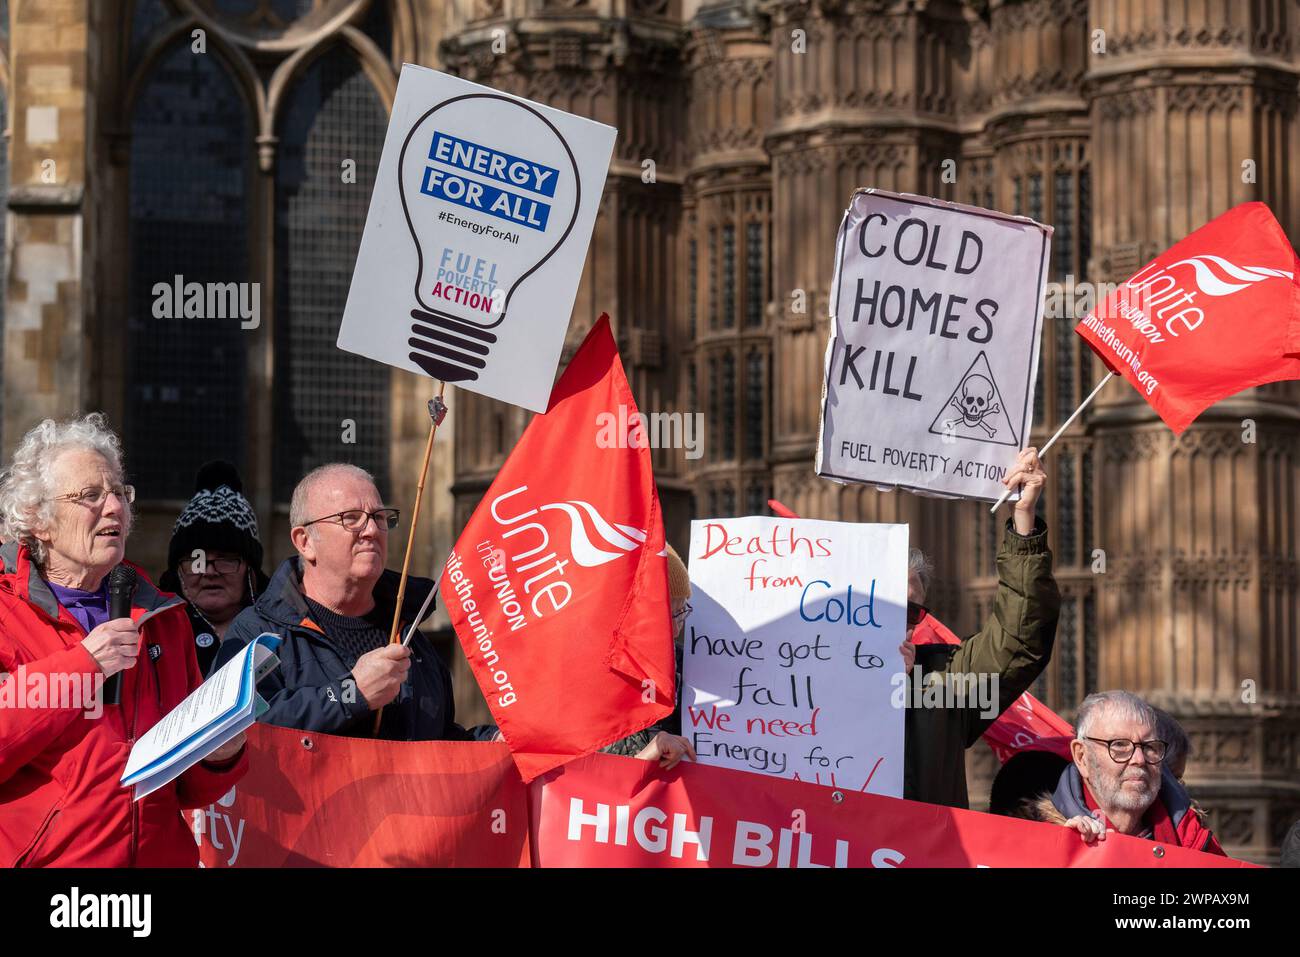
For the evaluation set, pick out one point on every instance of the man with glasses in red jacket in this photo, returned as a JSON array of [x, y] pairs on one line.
[[1119, 780]]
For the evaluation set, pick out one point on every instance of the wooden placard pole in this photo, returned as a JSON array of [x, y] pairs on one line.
[[1065, 425], [437, 412]]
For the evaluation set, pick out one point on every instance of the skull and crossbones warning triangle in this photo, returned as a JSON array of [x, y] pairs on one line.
[[975, 409]]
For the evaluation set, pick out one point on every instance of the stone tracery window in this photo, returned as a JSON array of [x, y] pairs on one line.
[[190, 169], [265, 144], [333, 113]]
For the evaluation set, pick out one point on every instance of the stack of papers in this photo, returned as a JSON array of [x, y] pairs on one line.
[[214, 713]]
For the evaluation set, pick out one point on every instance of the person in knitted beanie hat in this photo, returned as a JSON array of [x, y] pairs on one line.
[[679, 591], [214, 560]]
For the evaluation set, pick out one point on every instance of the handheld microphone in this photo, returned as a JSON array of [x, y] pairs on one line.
[[121, 589]]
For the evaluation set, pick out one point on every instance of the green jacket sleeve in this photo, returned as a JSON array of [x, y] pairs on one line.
[[1015, 644]]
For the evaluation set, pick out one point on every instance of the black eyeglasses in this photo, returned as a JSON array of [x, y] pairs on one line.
[[915, 613], [222, 566], [681, 613], [356, 519], [1121, 749], [94, 495]]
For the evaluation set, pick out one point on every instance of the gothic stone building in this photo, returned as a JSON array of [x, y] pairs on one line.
[[236, 141]]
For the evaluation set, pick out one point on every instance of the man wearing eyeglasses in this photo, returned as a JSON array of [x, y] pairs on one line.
[[1119, 780], [333, 606]]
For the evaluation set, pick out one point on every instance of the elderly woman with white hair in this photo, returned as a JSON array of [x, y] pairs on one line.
[[65, 514]]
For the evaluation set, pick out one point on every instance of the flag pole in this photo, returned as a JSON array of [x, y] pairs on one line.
[[437, 412], [1065, 425]]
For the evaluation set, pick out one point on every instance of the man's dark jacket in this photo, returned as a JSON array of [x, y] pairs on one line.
[[1015, 644], [313, 689]]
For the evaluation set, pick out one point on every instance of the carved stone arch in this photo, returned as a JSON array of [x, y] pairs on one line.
[[166, 39], [373, 62], [293, 38]]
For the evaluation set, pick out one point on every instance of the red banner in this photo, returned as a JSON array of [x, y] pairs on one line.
[[1217, 313], [606, 811], [316, 800], [558, 586]]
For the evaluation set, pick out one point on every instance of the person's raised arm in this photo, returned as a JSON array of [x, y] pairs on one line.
[[1015, 643]]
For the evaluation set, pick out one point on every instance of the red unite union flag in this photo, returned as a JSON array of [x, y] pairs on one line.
[[558, 586], [1217, 313]]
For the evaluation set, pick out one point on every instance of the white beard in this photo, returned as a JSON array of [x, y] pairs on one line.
[[1116, 795]]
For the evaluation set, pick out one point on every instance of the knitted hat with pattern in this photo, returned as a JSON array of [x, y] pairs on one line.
[[217, 519]]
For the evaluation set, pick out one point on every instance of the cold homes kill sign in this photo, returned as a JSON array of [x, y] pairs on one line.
[[475, 240], [930, 369]]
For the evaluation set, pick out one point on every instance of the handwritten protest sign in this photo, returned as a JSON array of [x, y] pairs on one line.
[[792, 647], [937, 313], [476, 237]]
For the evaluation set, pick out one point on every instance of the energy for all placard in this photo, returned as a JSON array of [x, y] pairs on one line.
[[937, 311], [477, 233]]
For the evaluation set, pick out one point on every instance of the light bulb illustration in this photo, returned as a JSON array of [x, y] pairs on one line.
[[483, 219]]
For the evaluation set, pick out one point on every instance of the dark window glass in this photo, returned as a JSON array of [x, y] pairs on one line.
[[1036, 196], [715, 403], [1088, 646], [693, 284], [148, 16], [1018, 198], [377, 25], [728, 276], [713, 277], [1067, 530], [335, 114], [1040, 403], [728, 406], [1085, 221], [263, 13], [756, 498], [1066, 342], [754, 274], [755, 392], [1063, 219], [190, 167], [290, 10], [1085, 491], [1068, 642]]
